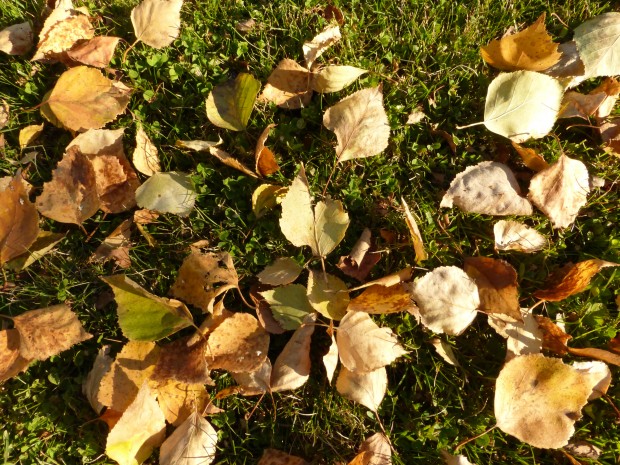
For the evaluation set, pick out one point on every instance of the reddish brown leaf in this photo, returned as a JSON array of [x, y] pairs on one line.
[[531, 158], [554, 338], [361, 259], [599, 354]]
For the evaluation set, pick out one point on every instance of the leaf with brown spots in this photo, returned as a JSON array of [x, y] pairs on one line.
[[378, 299], [178, 400], [183, 360], [554, 338]]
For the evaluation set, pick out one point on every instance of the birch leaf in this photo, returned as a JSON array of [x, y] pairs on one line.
[[192, 443], [598, 42], [328, 294], [289, 305], [288, 86], [522, 337], [335, 78], [43, 244], [170, 192], [522, 105], [366, 388], [145, 156], [11, 362], [29, 134], [282, 271], [416, 237], [360, 123], [277, 457], [330, 359], [157, 22], [377, 299], [512, 235], [321, 42], [265, 160], [64, 28], [229, 105], [91, 385], [97, 52]]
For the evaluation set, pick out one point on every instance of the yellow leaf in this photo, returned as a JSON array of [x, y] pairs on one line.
[[157, 22]]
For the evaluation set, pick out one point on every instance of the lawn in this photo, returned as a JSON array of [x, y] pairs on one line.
[[426, 56]]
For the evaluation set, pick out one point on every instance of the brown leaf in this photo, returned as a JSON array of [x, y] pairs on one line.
[[599, 354], [497, 285], [361, 259], [576, 105], [610, 133], [64, 28], [277, 457], [531, 49], [116, 246], [266, 163], [378, 299], [554, 338], [571, 279], [610, 88], [531, 158], [182, 361], [19, 220], [16, 39], [48, 331], [97, 52], [288, 86], [11, 361]]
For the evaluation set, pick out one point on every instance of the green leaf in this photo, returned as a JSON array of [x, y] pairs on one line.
[[170, 192], [289, 305], [143, 316], [598, 42], [328, 294], [229, 105]]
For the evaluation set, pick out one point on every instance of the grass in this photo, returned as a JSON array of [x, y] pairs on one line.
[[425, 54]]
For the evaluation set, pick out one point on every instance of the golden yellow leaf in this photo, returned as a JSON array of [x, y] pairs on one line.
[[29, 134]]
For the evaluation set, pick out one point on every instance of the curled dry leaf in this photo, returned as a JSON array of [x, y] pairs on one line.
[[16, 39], [157, 22], [538, 399], [610, 88], [229, 105], [116, 246], [416, 237], [522, 105], [360, 124], [530, 49], [523, 337], [377, 299], [288, 86], [43, 244], [400, 276], [599, 374], [277, 457], [221, 155], [321, 42], [512, 235], [192, 443], [29, 134], [11, 361], [571, 279], [599, 354], [599, 46], [531, 158], [327, 294], [171, 192], [361, 259], [554, 339], [265, 197], [92, 383], [489, 188], [330, 359], [266, 163], [445, 351], [289, 304], [447, 299], [145, 156], [97, 52], [48, 331], [335, 78], [282, 271], [64, 28], [366, 388]]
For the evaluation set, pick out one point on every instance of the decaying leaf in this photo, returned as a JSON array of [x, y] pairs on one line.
[[229, 105], [610, 88], [145, 156], [16, 39], [277, 457], [447, 299], [576, 105], [157, 22], [327, 294], [282, 271], [363, 346], [531, 158], [335, 78], [530, 49], [416, 237], [43, 244], [170, 192], [512, 235], [598, 42], [321, 42], [192, 443], [360, 124], [538, 399], [554, 338], [266, 163], [561, 190], [143, 316], [377, 299], [366, 388], [97, 52], [203, 277], [182, 360], [361, 259], [116, 246], [288, 86], [11, 361], [48, 331], [489, 188], [291, 369], [289, 304], [522, 105]]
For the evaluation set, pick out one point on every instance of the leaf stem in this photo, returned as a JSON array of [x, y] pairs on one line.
[[466, 441], [128, 49], [330, 178]]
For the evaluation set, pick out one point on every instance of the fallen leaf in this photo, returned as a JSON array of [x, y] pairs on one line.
[[277, 457], [157, 22], [450, 459], [171, 192], [416, 237], [377, 299], [16, 39], [63, 28], [29, 134], [198, 145], [523, 337], [229, 105], [116, 246], [522, 105], [599, 375], [291, 369], [576, 105], [569, 69], [497, 285], [141, 428], [360, 124], [363, 346], [42, 245], [538, 399], [531, 158], [19, 220], [145, 156], [378, 448], [83, 98], [361, 259], [178, 400], [400, 276], [320, 43], [610, 133], [91, 385], [583, 449], [335, 78], [266, 163], [221, 155], [330, 359], [48, 331], [530, 49], [97, 52], [183, 361], [554, 338], [599, 354], [327, 294], [610, 88], [143, 316], [598, 44], [366, 388], [203, 277], [512, 235], [447, 300], [489, 188], [192, 443], [445, 351], [289, 305], [288, 86], [11, 361], [265, 197], [282, 271], [416, 116], [252, 383], [245, 26]]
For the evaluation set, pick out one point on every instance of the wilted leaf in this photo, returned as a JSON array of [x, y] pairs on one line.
[[416, 237], [83, 98], [16, 39], [291, 369], [282, 271], [447, 299], [522, 105], [203, 277], [19, 220], [288, 86], [145, 156], [157, 22], [182, 360], [571, 279], [327, 294], [42, 245], [530, 49], [141, 428], [554, 337], [277, 457], [363, 346], [143, 316], [512, 235], [97, 52], [321, 42], [360, 124], [289, 304], [91, 385], [538, 399], [29, 134], [445, 351], [265, 197], [170, 192], [598, 42], [192, 443], [361, 259], [531, 158], [266, 163], [229, 105], [11, 361], [116, 246], [63, 28], [488, 187], [178, 400], [335, 78], [367, 388], [561, 190], [221, 155], [378, 299]]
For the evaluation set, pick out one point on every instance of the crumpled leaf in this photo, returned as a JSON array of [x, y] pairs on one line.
[[489, 188], [366, 388], [561, 190], [377, 299], [16, 39], [328, 294], [512, 235], [11, 361], [145, 156], [538, 399], [83, 98], [291, 369], [277, 457], [229, 105], [320, 43], [522, 105], [363, 346], [289, 305], [116, 246], [360, 124], [91, 385], [282, 271], [447, 300], [266, 163], [42, 245], [97, 52], [141, 428], [571, 279], [19, 220], [321, 228], [192, 443], [143, 316], [416, 237], [157, 22], [170, 192], [598, 42], [335, 78], [288, 86], [444, 350], [530, 49]]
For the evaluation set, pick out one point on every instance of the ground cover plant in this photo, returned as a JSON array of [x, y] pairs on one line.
[[280, 266]]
